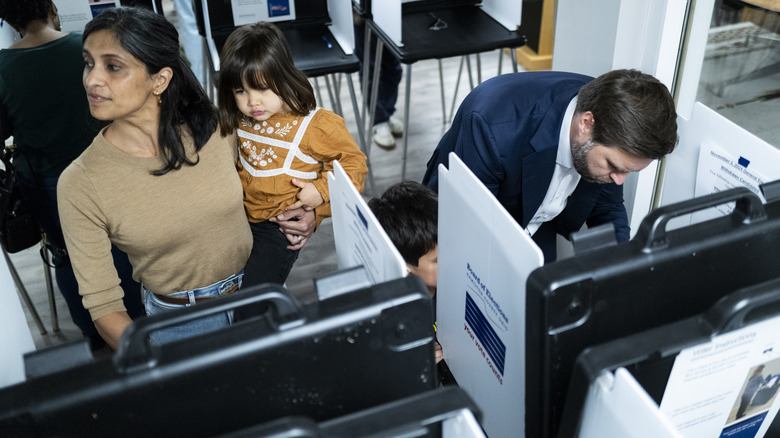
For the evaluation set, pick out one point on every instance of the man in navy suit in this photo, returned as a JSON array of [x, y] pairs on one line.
[[554, 148]]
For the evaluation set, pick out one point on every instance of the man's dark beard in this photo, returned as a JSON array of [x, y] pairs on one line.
[[579, 154]]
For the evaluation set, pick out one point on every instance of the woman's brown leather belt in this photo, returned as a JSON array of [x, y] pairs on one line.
[[185, 301]]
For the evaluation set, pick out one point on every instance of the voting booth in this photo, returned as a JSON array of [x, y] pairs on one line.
[[658, 277], [319, 31], [712, 235], [436, 29], [716, 374], [488, 321], [359, 237], [484, 260], [388, 16], [446, 412], [75, 14], [323, 360], [715, 154]]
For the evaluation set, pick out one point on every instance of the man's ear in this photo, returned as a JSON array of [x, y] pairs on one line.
[[586, 123], [581, 127], [162, 79]]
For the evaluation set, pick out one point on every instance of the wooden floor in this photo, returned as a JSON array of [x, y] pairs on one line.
[[318, 257]]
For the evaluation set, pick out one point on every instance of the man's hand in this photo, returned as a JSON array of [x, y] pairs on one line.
[[297, 225]]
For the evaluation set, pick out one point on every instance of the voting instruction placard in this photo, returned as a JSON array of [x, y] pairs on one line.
[[727, 387], [360, 239], [75, 14], [252, 11], [719, 170], [485, 258]]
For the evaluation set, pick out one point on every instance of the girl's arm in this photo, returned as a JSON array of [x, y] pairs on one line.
[[309, 197], [336, 143]]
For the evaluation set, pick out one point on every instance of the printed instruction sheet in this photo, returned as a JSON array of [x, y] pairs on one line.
[[252, 11], [727, 387]]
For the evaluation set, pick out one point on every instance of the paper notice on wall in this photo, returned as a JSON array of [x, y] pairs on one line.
[[252, 11], [75, 14], [727, 387], [719, 170]]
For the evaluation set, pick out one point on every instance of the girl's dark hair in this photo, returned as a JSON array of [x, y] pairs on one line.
[[259, 55], [632, 111], [20, 13], [152, 40]]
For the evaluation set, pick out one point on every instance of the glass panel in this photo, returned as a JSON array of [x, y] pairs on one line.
[[740, 76]]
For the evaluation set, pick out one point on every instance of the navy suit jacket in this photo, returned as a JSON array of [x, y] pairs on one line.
[[506, 131]]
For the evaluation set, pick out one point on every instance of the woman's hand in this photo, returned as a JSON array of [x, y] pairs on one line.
[[112, 326], [297, 225]]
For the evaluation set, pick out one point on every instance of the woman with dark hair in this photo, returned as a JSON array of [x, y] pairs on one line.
[[46, 111], [158, 182]]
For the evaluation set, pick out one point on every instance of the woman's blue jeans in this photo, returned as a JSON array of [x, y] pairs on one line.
[[198, 326]]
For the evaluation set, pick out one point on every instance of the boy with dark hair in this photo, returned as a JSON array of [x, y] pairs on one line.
[[409, 213]]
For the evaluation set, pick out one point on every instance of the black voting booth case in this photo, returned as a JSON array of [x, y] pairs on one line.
[[447, 412], [323, 360], [660, 276], [650, 355], [313, 46]]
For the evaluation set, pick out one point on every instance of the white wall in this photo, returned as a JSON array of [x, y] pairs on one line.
[[16, 339], [597, 36]]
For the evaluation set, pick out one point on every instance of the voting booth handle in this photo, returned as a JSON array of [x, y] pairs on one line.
[[135, 351], [652, 230], [745, 306]]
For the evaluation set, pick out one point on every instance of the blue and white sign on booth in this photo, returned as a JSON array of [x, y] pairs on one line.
[[485, 258], [360, 239]]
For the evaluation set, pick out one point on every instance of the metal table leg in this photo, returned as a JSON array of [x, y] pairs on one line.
[[23, 293], [55, 324]]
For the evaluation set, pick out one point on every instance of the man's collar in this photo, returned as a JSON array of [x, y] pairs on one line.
[[564, 157]]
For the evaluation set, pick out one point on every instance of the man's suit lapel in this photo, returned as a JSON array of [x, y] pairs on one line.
[[538, 166]]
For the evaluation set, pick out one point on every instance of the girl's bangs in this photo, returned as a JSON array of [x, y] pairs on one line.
[[253, 76]]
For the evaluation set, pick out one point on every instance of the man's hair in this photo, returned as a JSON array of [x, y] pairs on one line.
[[409, 213], [260, 55], [632, 111]]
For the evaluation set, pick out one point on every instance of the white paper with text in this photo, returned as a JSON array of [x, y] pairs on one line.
[[727, 387]]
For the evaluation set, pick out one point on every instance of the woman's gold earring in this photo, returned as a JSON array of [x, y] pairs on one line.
[[159, 99]]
